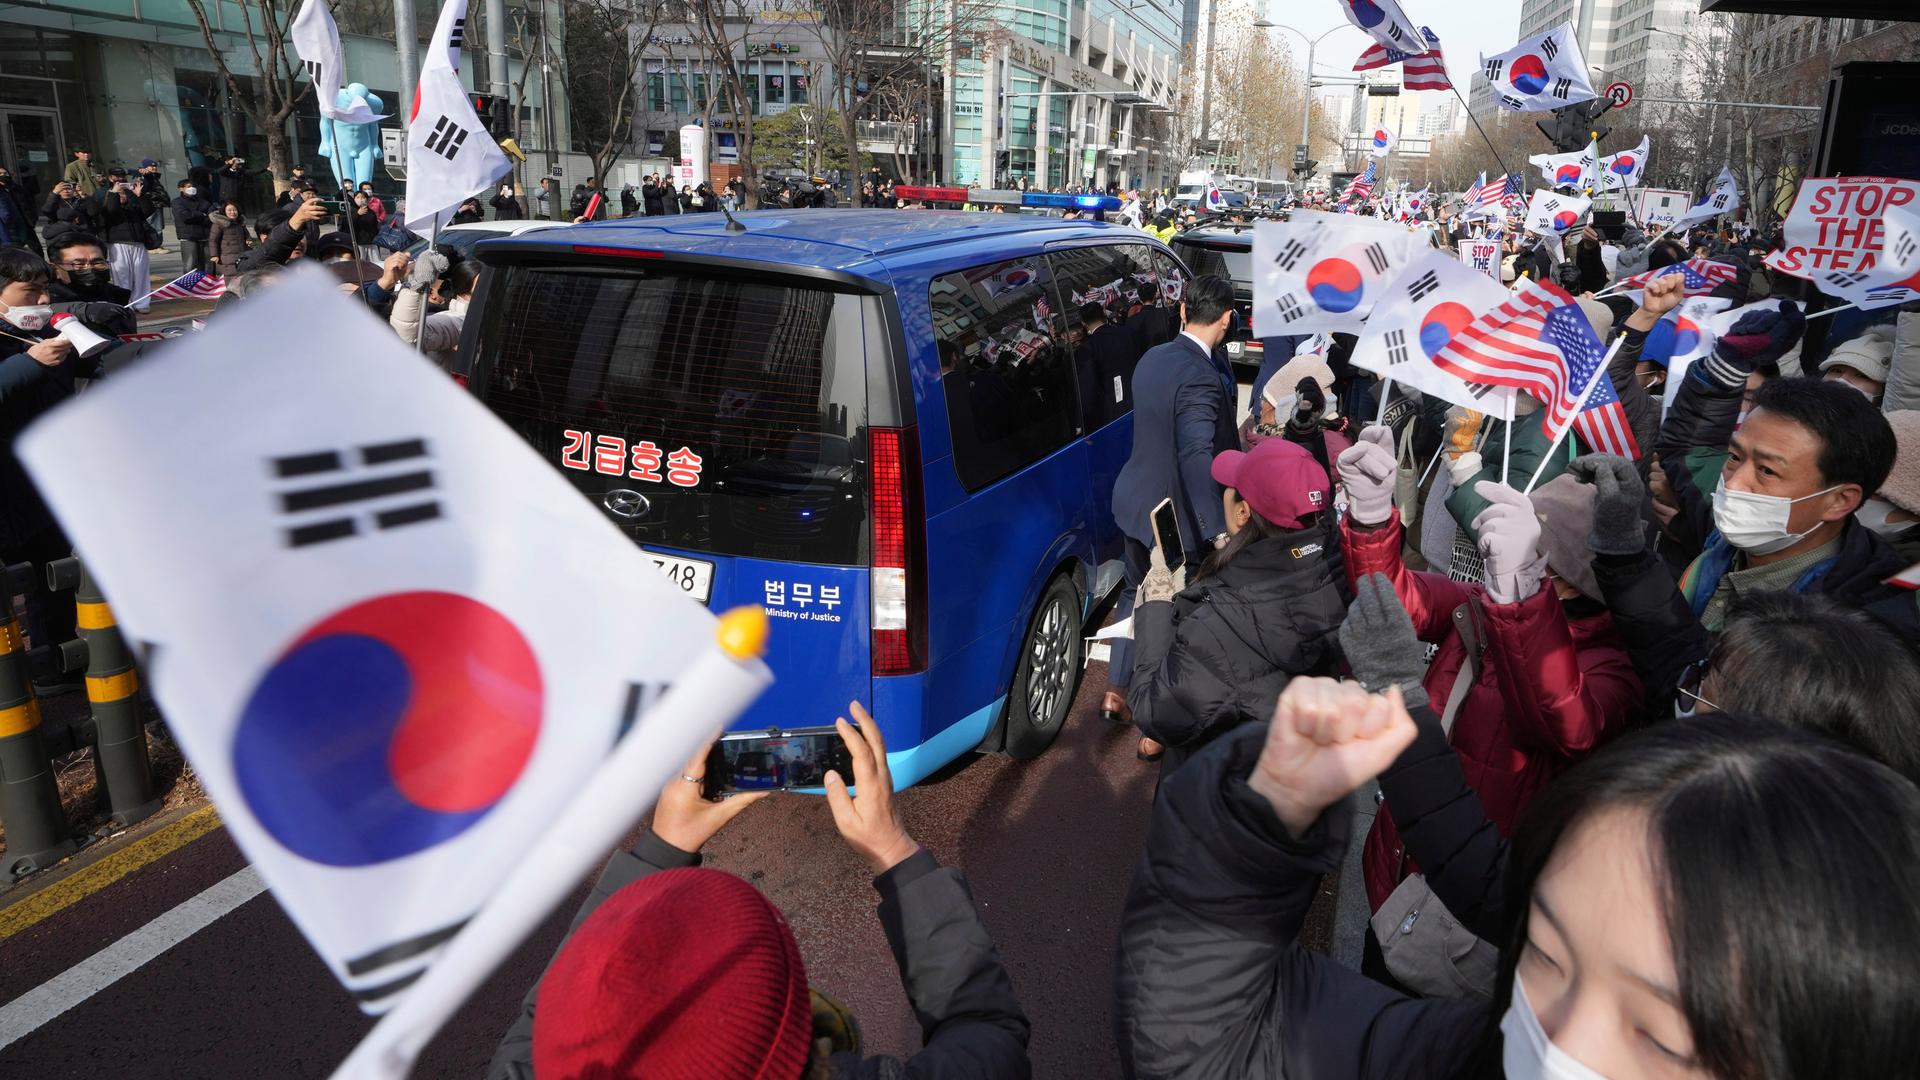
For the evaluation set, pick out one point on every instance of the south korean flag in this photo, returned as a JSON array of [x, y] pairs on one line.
[[450, 156], [1321, 271], [1541, 73], [394, 642], [1885, 277], [1385, 23], [1418, 314], [1555, 214], [316, 40]]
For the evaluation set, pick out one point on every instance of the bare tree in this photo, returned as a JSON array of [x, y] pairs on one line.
[[605, 41], [270, 97], [719, 29]]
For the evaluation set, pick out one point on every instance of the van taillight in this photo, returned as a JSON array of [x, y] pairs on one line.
[[899, 563]]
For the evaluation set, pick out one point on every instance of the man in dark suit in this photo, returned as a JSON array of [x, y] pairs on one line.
[[1182, 416], [1107, 358], [1152, 325]]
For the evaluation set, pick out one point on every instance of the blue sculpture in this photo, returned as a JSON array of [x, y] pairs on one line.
[[353, 148]]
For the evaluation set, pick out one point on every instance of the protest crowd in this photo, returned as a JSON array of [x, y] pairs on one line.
[[1600, 595]]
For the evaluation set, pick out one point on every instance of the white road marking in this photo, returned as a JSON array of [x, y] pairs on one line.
[[32, 1010]]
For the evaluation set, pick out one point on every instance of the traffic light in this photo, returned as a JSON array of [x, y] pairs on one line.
[[495, 114], [1574, 126]]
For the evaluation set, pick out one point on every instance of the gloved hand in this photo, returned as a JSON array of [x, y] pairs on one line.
[[1464, 467], [1160, 582], [1379, 641], [1509, 543], [1367, 470], [427, 269], [1759, 339], [1617, 498], [1310, 401]]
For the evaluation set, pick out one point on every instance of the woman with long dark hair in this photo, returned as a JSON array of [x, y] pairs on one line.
[[1725, 898], [1214, 654]]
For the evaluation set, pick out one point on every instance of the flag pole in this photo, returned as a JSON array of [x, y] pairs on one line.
[[1476, 126], [719, 685], [1824, 312], [1386, 394], [1599, 373]]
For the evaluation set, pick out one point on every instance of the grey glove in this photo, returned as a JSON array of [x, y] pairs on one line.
[[427, 269], [1617, 498], [1380, 644], [1509, 543]]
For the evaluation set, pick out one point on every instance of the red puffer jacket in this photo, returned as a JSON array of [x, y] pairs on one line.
[[1550, 690]]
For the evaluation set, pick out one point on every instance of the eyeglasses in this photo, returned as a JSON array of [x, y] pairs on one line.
[[1687, 702], [85, 264]]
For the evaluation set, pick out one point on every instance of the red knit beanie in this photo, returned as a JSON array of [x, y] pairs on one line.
[[686, 973]]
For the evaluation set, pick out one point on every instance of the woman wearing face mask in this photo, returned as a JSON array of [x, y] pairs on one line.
[[374, 202], [1668, 917], [228, 238], [365, 225], [1212, 655], [1530, 673]]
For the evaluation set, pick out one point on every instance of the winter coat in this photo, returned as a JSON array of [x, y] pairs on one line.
[[437, 335], [1218, 655], [465, 215], [1210, 984], [28, 389], [1855, 575], [1553, 685], [58, 215], [190, 217], [125, 217], [1182, 417], [970, 1022], [1530, 445], [629, 205], [80, 174], [650, 198], [1903, 376], [506, 208]]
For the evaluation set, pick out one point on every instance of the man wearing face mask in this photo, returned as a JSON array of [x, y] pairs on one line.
[[82, 285], [190, 217], [1783, 512], [37, 372]]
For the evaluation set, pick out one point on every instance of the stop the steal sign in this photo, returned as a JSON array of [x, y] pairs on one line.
[[1836, 223]]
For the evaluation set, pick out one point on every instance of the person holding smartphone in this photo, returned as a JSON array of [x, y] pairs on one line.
[[673, 970], [1214, 653]]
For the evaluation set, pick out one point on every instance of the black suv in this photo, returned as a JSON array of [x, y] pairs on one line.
[[1227, 251]]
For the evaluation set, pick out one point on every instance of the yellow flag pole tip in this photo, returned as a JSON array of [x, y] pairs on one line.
[[743, 633]]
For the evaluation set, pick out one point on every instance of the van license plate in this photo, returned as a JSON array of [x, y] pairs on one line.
[[692, 576]]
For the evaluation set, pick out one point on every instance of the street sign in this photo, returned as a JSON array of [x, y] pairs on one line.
[[1619, 95]]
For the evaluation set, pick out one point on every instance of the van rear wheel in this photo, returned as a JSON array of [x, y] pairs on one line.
[[1048, 674]]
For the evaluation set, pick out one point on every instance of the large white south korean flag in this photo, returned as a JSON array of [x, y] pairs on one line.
[[391, 639], [1323, 272], [1421, 311]]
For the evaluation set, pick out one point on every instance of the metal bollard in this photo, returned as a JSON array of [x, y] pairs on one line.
[[37, 834], [120, 740]]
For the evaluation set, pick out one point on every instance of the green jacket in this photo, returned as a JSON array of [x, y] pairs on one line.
[[80, 175], [1529, 447]]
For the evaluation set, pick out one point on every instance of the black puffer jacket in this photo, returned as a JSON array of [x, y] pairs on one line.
[[1209, 981], [1219, 654]]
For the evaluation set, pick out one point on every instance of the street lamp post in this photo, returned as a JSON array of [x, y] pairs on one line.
[[1306, 103]]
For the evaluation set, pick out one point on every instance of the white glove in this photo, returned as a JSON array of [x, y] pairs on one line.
[[1464, 467], [1509, 543], [1368, 470]]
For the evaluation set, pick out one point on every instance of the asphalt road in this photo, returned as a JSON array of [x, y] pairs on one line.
[[1047, 845]]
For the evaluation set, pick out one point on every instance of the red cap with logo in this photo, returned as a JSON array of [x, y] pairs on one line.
[[1279, 479]]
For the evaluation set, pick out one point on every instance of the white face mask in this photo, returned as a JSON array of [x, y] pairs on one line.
[[190, 191], [1528, 1053], [28, 316], [1874, 513], [1757, 524], [457, 305]]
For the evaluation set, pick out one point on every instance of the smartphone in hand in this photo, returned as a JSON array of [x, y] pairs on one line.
[[1166, 535], [775, 761]]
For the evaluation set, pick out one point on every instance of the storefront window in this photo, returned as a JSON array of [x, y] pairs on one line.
[[799, 89], [776, 89]]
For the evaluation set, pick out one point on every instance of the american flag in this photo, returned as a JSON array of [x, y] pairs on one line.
[[1418, 71], [1493, 196], [1472, 197], [1361, 186], [1541, 342], [194, 284], [1699, 275]]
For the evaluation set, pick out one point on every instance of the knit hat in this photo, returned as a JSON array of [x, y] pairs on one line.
[[1564, 506], [1302, 366], [686, 974], [1902, 488], [1868, 354]]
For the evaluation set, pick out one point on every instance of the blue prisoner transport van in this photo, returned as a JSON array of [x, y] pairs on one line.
[[891, 430]]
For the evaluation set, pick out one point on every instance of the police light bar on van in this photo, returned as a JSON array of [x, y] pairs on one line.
[[915, 193], [1070, 202], [993, 196]]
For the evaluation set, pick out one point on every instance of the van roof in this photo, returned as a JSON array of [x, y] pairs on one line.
[[827, 239]]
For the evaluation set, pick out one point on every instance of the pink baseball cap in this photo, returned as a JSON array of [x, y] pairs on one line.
[[1279, 479]]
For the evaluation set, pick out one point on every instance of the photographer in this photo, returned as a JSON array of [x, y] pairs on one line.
[[731, 998], [125, 213], [434, 280]]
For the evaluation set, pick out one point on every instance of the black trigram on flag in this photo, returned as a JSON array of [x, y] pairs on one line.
[[1479, 390], [1395, 32], [1720, 202], [1377, 258], [1423, 285], [1396, 342], [447, 138], [1291, 254], [312, 68], [1847, 280], [1550, 47], [1289, 308], [459, 36], [1562, 87], [1903, 247], [1494, 67], [330, 489], [1512, 102]]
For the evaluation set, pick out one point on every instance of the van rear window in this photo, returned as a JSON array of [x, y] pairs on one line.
[[717, 414]]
